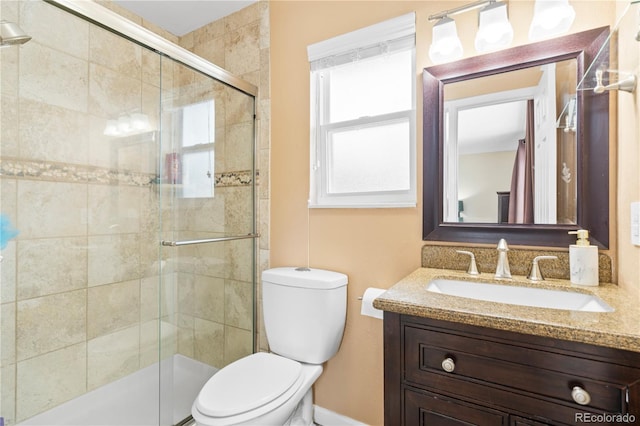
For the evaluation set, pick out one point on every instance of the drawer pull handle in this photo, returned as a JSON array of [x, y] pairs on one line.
[[580, 395], [448, 365]]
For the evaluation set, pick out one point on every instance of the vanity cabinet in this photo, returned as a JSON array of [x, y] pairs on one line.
[[446, 373]]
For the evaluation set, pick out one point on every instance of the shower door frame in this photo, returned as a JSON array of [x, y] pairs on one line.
[[106, 18]]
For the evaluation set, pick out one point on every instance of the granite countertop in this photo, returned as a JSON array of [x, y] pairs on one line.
[[618, 329]]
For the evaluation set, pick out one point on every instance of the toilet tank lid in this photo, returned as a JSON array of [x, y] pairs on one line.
[[305, 278]]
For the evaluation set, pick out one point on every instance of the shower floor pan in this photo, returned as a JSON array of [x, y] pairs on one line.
[[134, 399]]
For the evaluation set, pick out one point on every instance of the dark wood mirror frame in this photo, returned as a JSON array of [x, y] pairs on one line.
[[592, 140]]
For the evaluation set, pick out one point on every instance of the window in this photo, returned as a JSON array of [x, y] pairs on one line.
[[363, 117], [198, 135]]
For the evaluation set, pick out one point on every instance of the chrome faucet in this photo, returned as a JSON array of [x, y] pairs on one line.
[[473, 268], [536, 274], [502, 269]]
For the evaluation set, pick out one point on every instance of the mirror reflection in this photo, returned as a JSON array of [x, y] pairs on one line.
[[510, 147]]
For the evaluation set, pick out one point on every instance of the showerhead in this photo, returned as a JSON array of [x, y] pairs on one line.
[[11, 34]]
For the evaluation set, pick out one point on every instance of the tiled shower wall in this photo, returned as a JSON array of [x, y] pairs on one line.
[[240, 43], [79, 285], [80, 301], [214, 282]]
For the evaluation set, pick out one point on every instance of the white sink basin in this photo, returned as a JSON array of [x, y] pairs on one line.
[[524, 296]]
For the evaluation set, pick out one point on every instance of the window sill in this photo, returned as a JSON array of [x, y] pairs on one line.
[[362, 206]]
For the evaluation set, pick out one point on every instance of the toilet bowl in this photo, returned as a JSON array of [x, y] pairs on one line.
[[304, 317], [260, 389]]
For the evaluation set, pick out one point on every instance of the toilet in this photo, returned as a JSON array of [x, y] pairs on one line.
[[304, 317]]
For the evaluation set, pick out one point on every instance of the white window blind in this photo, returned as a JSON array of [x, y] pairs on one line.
[[363, 117]]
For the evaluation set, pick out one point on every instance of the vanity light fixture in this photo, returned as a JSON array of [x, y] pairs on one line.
[[445, 45], [551, 18], [495, 31]]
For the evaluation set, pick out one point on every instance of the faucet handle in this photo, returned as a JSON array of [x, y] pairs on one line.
[[536, 274], [473, 268]]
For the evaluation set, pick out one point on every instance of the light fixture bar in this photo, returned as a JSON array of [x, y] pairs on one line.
[[456, 10]]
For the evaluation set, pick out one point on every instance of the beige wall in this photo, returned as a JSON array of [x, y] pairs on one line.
[[480, 195], [627, 154], [375, 247]]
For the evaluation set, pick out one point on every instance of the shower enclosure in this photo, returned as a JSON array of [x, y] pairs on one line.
[[127, 170]]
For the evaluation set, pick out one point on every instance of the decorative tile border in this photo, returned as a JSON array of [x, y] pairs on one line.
[[240, 178], [77, 173], [74, 173]]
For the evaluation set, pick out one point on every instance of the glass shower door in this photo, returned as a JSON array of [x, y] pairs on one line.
[[107, 148], [208, 223], [79, 152]]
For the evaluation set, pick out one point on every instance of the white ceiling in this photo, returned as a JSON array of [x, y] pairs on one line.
[[180, 17], [492, 128]]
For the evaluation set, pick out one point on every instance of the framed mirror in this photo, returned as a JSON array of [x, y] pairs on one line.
[[512, 150]]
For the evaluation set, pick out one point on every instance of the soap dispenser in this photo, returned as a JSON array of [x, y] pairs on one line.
[[583, 260]]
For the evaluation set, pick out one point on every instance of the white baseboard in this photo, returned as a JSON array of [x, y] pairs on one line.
[[325, 417]]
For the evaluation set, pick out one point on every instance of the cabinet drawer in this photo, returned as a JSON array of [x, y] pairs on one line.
[[519, 421], [426, 408], [519, 368], [544, 410]]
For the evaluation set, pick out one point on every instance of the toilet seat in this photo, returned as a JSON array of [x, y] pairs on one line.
[[254, 385]]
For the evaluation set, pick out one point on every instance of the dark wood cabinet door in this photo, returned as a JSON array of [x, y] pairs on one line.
[[499, 377], [429, 409]]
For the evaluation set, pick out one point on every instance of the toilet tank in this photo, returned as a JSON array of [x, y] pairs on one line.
[[304, 312]]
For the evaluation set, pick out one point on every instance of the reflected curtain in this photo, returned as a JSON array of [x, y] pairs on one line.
[[521, 198]]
